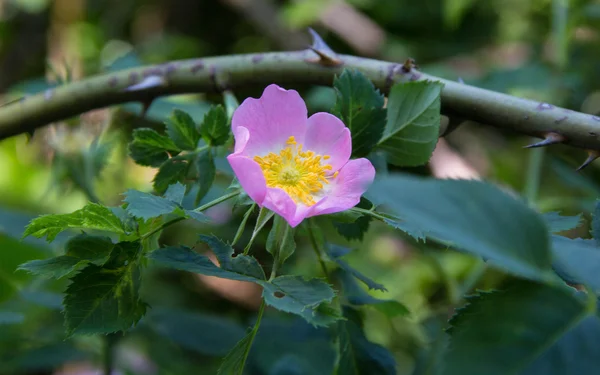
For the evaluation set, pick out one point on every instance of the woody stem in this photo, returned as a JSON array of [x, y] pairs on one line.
[[216, 74]]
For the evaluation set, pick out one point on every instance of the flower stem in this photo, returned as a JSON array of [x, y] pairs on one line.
[[253, 333], [317, 249], [261, 311], [263, 217], [242, 226], [217, 201], [370, 213]]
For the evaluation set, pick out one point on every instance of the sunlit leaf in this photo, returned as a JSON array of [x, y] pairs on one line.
[[360, 106], [150, 148], [215, 127], [80, 251], [182, 130], [104, 299], [170, 172], [413, 123], [92, 216]]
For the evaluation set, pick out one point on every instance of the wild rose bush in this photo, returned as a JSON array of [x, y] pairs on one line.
[[292, 174]]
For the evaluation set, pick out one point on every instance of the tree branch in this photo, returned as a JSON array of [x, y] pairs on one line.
[[215, 74]]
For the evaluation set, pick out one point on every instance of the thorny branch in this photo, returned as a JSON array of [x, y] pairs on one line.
[[316, 65]]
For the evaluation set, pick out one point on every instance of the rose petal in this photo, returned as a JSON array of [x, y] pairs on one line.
[[270, 120], [278, 201], [345, 190], [241, 135], [250, 176], [327, 135]]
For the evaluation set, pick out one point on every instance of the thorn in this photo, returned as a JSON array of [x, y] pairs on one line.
[[461, 81], [145, 107], [409, 65], [148, 83], [549, 139], [592, 155], [326, 55]]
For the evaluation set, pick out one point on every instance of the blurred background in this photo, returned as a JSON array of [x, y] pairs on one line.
[[547, 50]]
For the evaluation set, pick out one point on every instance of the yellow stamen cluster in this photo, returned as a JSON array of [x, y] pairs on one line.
[[299, 173]]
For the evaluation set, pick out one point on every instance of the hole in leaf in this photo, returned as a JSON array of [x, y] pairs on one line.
[[279, 294]]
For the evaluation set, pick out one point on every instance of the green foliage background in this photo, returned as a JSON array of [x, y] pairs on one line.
[[546, 50]]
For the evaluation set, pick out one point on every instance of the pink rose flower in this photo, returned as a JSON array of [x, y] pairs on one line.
[[294, 165]]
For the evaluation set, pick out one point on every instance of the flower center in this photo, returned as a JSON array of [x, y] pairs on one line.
[[299, 173]]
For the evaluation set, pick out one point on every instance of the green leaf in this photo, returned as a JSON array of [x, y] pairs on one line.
[[175, 193], [337, 252], [355, 230], [502, 332], [242, 264], [233, 363], [56, 267], [147, 206], [405, 226], [182, 130], [360, 106], [205, 166], [295, 295], [171, 171], [413, 123], [577, 261], [92, 216], [557, 223], [81, 250], [105, 299], [185, 259], [215, 126], [353, 225], [473, 216], [280, 242], [355, 295], [150, 148], [357, 355], [576, 352], [210, 335]]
